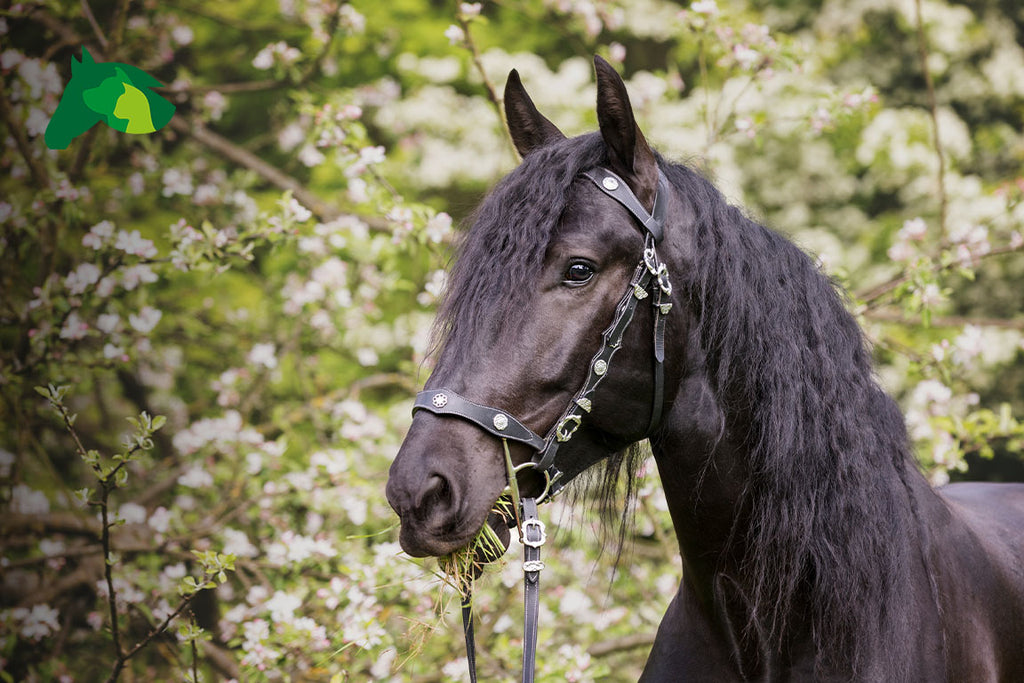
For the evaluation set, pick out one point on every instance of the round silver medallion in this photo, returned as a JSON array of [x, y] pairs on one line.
[[600, 367], [610, 183], [500, 422], [439, 400]]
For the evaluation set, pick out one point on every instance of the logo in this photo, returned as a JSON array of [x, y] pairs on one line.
[[119, 95]]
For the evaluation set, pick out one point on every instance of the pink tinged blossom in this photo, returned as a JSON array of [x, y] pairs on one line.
[[901, 251], [746, 57], [79, 280], [132, 513], [263, 354], [931, 295], [282, 606], [37, 623], [264, 59], [297, 212], [290, 137], [145, 320], [108, 322], [914, 229], [182, 35], [135, 244], [10, 59], [238, 544], [74, 327], [133, 276], [1016, 240], [706, 7], [617, 52], [455, 35], [310, 157], [105, 287], [36, 122], [469, 9], [745, 125], [51, 548], [215, 104], [176, 181], [67, 191], [95, 620], [196, 478], [113, 352], [6, 211], [357, 191]]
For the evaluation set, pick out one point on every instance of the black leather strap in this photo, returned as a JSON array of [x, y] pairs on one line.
[[467, 630], [616, 188], [533, 538], [497, 422]]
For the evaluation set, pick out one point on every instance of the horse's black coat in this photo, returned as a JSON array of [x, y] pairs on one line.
[[813, 548]]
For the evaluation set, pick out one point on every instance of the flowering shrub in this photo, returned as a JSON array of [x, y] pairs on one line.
[[253, 286]]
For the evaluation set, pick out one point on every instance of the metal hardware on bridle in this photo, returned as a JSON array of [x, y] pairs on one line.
[[650, 279]]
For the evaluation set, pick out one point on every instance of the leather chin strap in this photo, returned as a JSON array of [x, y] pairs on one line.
[[650, 279]]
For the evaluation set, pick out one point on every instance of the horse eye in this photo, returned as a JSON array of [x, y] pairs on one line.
[[578, 273]]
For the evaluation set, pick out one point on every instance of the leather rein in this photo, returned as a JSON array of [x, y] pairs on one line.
[[650, 280]]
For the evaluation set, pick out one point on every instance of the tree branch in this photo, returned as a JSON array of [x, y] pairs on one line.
[[243, 157], [946, 321], [631, 642], [870, 298]]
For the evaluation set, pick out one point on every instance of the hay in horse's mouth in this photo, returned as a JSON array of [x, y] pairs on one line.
[[464, 565]]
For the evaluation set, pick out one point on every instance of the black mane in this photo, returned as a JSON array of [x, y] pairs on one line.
[[823, 438]]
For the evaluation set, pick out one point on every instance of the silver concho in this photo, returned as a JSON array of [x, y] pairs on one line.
[[439, 400], [600, 367], [500, 422], [610, 184]]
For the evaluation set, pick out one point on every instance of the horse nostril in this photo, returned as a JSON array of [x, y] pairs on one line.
[[436, 493]]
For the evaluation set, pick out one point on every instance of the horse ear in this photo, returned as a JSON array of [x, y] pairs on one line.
[[528, 127], [86, 57], [628, 152]]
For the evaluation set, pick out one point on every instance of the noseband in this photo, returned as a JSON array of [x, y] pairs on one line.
[[650, 280]]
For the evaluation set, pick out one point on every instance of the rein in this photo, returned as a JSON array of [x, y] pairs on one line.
[[650, 280]]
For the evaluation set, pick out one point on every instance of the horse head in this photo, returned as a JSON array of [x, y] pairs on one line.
[[541, 274]]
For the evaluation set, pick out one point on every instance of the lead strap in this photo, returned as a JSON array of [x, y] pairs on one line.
[[533, 538]]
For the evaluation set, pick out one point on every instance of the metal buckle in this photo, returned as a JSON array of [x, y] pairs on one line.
[[562, 433], [539, 526], [533, 566], [651, 260], [663, 282]]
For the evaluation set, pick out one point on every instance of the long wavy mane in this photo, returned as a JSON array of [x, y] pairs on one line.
[[791, 367]]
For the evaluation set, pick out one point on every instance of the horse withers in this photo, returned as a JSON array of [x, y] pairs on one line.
[[812, 547]]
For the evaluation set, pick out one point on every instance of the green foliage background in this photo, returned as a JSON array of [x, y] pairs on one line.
[[262, 274]]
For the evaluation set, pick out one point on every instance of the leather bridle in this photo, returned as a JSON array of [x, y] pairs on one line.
[[650, 280]]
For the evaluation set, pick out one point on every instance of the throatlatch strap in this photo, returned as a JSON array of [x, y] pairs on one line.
[[533, 538]]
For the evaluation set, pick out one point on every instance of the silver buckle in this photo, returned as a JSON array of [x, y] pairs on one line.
[[539, 526], [567, 427]]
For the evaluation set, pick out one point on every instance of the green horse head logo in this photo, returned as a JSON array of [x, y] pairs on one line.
[[119, 95]]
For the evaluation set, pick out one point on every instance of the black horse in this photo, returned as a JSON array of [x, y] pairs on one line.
[[813, 548]]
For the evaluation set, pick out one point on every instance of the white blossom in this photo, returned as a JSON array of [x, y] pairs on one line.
[[82, 277], [455, 35], [196, 478], [263, 354], [145, 320]]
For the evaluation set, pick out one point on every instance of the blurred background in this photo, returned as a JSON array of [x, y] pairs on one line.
[[211, 334]]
